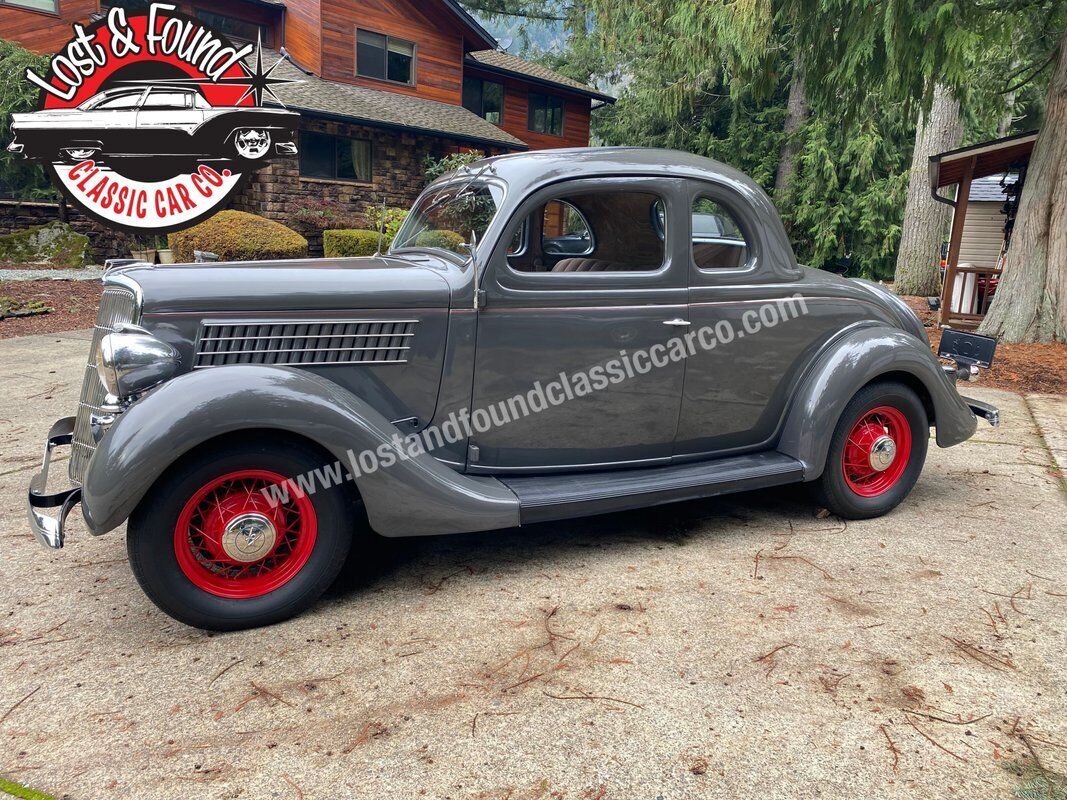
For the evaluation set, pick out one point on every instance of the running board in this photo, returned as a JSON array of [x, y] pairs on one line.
[[550, 497]]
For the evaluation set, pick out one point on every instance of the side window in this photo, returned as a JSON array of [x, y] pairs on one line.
[[717, 239], [593, 232], [161, 99], [119, 102]]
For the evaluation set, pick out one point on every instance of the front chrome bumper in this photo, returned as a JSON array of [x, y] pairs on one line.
[[989, 413], [49, 530]]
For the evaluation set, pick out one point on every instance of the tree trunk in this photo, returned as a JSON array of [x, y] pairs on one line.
[[919, 258], [1008, 118], [796, 116], [1031, 300]]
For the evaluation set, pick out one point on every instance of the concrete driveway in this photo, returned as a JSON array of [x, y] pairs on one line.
[[741, 647]]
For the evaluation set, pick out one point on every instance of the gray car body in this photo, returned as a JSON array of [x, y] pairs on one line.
[[772, 398]]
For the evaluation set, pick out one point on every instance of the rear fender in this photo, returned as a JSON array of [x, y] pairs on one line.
[[849, 364], [414, 496]]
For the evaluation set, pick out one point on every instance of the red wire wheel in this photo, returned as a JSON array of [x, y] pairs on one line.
[[231, 542], [877, 451]]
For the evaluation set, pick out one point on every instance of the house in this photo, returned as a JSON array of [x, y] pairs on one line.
[[984, 210], [987, 214], [385, 85]]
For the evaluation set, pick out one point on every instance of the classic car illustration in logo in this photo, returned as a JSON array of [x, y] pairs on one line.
[[160, 134], [154, 132]]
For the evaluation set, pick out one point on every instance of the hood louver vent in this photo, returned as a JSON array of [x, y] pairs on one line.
[[304, 342]]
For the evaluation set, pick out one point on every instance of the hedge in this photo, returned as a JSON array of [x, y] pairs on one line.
[[446, 240], [349, 243], [238, 236]]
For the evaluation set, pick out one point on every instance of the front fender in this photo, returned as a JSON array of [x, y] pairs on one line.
[[849, 364], [414, 496]]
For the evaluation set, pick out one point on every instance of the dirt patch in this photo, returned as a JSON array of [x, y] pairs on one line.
[[73, 303], [1024, 368]]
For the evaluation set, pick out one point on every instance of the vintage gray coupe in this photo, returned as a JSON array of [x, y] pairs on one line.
[[550, 335]]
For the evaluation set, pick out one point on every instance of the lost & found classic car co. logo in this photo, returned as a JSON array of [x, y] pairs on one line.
[[151, 121]]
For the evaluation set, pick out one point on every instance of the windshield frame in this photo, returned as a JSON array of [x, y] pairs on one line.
[[463, 181]]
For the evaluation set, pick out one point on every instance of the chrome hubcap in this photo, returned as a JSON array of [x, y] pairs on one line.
[[249, 537], [883, 452]]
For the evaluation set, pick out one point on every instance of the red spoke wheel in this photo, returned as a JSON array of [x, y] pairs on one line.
[[214, 551], [231, 541], [876, 452]]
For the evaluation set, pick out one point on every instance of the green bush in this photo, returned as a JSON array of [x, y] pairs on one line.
[[446, 240], [350, 243], [392, 219], [238, 236]]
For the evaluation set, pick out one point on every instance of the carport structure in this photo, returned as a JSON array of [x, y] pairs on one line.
[[967, 290]]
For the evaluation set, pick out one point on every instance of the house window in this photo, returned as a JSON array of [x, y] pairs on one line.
[[52, 6], [335, 157], [484, 98], [234, 28], [546, 114], [383, 57]]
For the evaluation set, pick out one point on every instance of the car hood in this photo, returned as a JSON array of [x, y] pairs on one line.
[[298, 286]]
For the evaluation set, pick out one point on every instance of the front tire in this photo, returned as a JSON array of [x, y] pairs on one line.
[[876, 453], [210, 550]]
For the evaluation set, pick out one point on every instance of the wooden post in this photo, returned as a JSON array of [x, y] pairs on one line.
[[959, 216]]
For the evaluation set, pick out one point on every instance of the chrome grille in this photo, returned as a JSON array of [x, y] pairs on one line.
[[304, 342], [117, 305]]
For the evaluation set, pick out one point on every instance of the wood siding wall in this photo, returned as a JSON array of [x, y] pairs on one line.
[[438, 54], [983, 234], [41, 32], [303, 33], [516, 113]]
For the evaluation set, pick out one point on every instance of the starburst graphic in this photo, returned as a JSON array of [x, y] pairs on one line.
[[259, 82]]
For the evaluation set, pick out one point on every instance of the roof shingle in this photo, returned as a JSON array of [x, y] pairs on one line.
[[506, 62], [376, 107]]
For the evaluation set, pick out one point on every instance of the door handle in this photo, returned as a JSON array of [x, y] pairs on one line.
[[677, 322]]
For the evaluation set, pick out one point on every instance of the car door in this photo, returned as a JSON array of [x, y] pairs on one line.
[[756, 331], [570, 367], [170, 116]]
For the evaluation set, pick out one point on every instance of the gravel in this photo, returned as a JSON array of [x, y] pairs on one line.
[[746, 646], [84, 274]]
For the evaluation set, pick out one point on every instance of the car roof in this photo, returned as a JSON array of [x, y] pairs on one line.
[[614, 160]]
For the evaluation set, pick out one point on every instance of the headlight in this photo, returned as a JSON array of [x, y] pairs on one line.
[[131, 361]]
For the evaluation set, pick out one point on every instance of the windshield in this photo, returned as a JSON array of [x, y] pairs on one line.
[[445, 218]]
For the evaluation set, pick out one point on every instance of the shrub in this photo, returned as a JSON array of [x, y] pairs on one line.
[[436, 167], [349, 243], [446, 240], [238, 236], [323, 214], [393, 218]]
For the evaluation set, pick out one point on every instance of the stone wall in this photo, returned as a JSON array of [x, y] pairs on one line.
[[104, 243], [399, 165]]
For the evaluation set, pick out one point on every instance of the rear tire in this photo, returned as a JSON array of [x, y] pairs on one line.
[[876, 453], [211, 551]]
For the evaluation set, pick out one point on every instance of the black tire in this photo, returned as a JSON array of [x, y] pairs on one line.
[[833, 489], [151, 539]]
